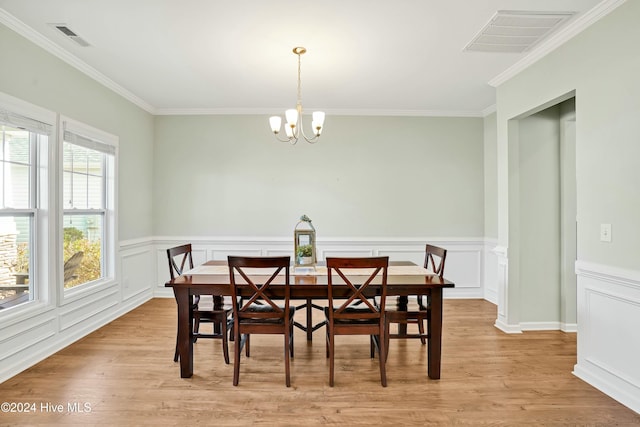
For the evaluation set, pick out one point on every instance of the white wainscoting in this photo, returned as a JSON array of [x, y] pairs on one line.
[[33, 331], [609, 331], [465, 264], [490, 277]]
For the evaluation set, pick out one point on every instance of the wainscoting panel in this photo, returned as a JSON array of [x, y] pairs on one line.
[[136, 264], [82, 310], [33, 331], [465, 264], [609, 331]]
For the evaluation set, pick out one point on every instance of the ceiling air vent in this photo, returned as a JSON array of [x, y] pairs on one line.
[[513, 31], [69, 33]]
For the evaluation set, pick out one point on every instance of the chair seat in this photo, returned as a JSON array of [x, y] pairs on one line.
[[353, 310], [264, 308]]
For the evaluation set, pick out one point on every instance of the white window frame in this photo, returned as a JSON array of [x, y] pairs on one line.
[[110, 232], [42, 225]]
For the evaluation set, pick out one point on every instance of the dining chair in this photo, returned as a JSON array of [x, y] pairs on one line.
[[345, 317], [252, 279], [404, 311], [204, 310]]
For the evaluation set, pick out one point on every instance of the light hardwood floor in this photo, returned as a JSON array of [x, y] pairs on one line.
[[125, 375]]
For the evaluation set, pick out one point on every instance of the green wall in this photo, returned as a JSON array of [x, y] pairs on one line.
[[602, 66], [367, 176], [227, 176], [30, 73], [490, 177]]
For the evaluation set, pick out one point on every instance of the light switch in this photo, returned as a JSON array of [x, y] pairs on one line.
[[605, 232]]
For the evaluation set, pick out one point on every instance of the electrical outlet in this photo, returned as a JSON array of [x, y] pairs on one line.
[[605, 232]]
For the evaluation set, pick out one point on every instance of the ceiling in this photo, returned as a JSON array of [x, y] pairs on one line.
[[383, 57]]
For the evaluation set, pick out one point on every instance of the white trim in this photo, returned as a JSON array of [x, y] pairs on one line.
[[326, 240], [335, 112], [509, 329], [569, 327], [110, 275], [27, 109], [612, 367], [38, 39], [489, 110], [615, 275], [558, 39]]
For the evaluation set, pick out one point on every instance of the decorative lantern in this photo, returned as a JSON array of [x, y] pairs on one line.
[[304, 243]]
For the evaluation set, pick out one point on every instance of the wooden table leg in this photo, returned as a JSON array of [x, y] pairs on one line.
[[435, 334], [185, 334], [309, 320], [218, 304], [403, 300]]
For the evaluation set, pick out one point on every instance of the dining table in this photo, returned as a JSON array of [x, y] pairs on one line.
[[404, 278]]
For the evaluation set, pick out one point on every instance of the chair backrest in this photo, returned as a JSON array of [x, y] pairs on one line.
[[358, 283], [179, 257], [243, 271], [434, 258]]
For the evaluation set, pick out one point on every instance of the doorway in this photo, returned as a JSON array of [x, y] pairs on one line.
[[542, 212]]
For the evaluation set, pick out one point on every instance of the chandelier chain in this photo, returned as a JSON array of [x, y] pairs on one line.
[[299, 81]]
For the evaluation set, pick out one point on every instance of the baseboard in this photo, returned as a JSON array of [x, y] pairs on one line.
[[38, 353], [621, 390]]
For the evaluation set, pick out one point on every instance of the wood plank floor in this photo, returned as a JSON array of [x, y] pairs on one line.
[[488, 378]]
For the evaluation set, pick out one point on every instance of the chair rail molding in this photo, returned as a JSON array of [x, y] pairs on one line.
[[466, 259]]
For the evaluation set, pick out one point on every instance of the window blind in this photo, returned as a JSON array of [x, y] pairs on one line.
[[9, 118], [89, 143]]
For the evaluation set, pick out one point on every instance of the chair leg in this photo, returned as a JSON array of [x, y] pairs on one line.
[[225, 342], [331, 347], [326, 341], [421, 330], [383, 351], [236, 357], [287, 350], [387, 325], [196, 326], [247, 344], [176, 355], [372, 346], [291, 341]]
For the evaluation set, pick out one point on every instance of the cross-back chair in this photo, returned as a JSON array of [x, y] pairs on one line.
[[404, 311], [253, 279], [204, 310], [353, 312]]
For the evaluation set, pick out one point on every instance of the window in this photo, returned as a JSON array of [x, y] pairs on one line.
[[88, 172], [24, 144]]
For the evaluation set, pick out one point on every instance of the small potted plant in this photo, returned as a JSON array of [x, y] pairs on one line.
[[305, 254]]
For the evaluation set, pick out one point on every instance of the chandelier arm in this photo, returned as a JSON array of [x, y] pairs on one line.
[[311, 140], [285, 139]]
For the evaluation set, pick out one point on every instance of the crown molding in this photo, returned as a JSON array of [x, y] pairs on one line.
[[38, 39], [341, 112], [558, 39], [489, 110]]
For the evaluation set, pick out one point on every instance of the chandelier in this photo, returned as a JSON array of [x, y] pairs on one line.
[[293, 126]]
